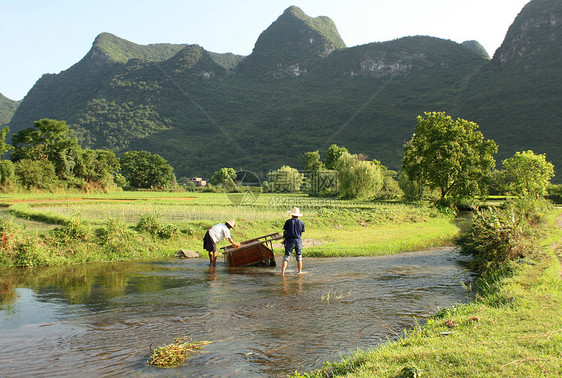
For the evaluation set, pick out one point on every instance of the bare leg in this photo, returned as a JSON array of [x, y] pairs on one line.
[[283, 267], [214, 259], [299, 266]]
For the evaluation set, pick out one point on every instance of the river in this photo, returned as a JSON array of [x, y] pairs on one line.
[[102, 319]]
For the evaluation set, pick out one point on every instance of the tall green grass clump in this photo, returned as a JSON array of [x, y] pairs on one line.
[[151, 224], [17, 250], [501, 237]]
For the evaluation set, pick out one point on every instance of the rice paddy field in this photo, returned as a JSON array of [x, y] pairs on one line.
[[333, 227]]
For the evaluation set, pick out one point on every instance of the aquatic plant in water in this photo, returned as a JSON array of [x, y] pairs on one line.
[[174, 354]]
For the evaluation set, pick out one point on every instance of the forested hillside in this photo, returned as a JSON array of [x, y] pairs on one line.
[[301, 90], [517, 97], [7, 109]]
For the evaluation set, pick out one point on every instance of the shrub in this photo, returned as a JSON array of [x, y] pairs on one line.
[[7, 175], [148, 223], [30, 253], [75, 229], [168, 231], [554, 193], [9, 241], [499, 236], [113, 232], [115, 238], [151, 223]]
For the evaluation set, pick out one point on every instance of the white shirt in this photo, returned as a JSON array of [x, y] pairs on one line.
[[218, 232]]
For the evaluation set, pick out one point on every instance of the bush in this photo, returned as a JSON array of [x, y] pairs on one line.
[[115, 237], [168, 231], [554, 193], [500, 236], [9, 241], [75, 229], [113, 232], [150, 223], [30, 253], [7, 175]]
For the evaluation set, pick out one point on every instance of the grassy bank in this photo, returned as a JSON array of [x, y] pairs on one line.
[[76, 228], [513, 329]]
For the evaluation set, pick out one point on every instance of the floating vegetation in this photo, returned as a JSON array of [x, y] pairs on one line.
[[335, 296], [174, 354]]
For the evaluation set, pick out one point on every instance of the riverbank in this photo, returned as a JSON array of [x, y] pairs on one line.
[[53, 229], [514, 329]]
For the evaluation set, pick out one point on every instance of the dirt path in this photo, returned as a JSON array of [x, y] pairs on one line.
[[53, 200]]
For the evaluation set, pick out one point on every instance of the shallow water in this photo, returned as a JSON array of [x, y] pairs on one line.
[[102, 320]]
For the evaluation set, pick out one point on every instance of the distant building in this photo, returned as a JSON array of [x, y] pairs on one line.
[[198, 181]]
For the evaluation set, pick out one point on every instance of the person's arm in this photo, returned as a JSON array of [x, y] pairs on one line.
[[234, 243]]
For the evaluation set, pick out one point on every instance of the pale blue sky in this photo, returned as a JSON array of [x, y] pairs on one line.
[[48, 36]]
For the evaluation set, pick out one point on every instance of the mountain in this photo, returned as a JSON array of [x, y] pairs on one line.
[[301, 89], [7, 109], [477, 48], [516, 98], [291, 45]]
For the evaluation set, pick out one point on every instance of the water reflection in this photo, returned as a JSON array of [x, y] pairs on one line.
[[103, 319]]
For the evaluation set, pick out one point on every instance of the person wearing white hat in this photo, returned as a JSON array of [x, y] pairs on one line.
[[214, 235], [292, 232]]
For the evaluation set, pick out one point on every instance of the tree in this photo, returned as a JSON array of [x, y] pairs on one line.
[[286, 179], [224, 177], [7, 175], [447, 155], [145, 170], [390, 187], [4, 147], [97, 167], [358, 178], [35, 174], [527, 174], [51, 140], [312, 161], [332, 155]]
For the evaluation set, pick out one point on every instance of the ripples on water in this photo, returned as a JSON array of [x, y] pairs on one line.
[[103, 320]]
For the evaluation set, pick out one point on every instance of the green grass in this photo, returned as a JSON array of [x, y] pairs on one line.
[[513, 330], [333, 227], [382, 239]]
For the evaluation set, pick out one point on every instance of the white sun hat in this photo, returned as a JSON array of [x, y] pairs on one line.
[[295, 212]]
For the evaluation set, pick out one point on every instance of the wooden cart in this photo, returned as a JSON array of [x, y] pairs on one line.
[[253, 252]]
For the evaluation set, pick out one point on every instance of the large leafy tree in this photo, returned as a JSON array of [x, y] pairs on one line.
[[333, 154], [358, 178], [448, 155], [145, 170], [224, 177], [527, 174], [50, 140], [97, 167], [286, 180], [312, 161]]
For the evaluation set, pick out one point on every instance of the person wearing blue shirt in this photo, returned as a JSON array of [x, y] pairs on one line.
[[292, 232]]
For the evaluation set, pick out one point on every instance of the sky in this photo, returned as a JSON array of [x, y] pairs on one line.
[[49, 36]]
